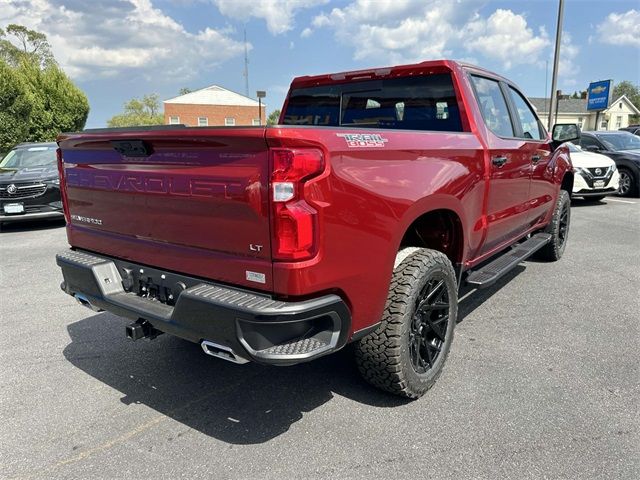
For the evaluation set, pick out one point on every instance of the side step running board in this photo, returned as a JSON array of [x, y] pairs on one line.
[[488, 274]]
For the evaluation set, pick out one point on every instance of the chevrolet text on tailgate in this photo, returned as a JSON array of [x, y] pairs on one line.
[[358, 218]]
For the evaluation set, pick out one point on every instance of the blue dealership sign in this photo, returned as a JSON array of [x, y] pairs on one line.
[[599, 93]]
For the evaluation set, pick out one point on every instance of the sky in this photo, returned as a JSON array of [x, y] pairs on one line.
[[119, 49]]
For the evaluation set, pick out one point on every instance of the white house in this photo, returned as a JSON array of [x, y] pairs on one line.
[[574, 110]]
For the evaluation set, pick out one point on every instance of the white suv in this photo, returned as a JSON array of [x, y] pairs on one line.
[[596, 176]]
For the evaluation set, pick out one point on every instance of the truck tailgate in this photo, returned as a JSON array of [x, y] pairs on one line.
[[191, 200]]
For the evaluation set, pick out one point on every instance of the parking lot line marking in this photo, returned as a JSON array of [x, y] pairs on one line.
[[621, 201]]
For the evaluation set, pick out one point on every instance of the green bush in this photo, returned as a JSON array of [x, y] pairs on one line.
[[37, 99]]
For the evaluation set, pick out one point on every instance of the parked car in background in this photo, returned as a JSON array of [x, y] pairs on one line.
[[635, 129], [596, 174], [29, 183], [624, 149]]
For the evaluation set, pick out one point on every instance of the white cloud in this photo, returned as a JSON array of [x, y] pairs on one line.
[[505, 36], [111, 37], [392, 31], [413, 30], [621, 29], [279, 14], [568, 67]]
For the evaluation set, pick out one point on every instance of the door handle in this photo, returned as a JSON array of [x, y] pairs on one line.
[[535, 159], [499, 161]]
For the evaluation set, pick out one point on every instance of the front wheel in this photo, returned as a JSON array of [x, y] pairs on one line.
[[406, 353], [628, 186], [558, 228]]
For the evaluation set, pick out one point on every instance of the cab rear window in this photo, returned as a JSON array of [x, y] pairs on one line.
[[411, 103]]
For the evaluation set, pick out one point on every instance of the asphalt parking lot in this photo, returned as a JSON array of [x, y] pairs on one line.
[[542, 382]]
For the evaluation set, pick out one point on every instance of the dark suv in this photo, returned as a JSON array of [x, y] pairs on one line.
[[624, 149], [635, 129], [29, 183]]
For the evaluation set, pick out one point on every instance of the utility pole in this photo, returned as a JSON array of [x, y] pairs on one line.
[[246, 65], [556, 61], [546, 83]]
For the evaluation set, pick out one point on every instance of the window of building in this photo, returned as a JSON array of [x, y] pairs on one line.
[[620, 105], [174, 120], [229, 122], [603, 124], [618, 121], [581, 122], [493, 106], [255, 122], [531, 127], [203, 122]]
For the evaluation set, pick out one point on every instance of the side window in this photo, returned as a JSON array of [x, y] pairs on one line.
[[530, 124], [493, 106], [587, 142]]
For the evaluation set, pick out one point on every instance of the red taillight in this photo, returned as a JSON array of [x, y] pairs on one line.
[[295, 221], [63, 188]]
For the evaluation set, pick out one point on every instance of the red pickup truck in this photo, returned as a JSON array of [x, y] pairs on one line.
[[357, 218]]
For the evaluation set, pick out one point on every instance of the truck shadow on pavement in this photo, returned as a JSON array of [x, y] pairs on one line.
[[581, 202], [32, 225], [237, 404]]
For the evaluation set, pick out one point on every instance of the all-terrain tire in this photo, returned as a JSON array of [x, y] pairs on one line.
[[387, 357], [558, 228]]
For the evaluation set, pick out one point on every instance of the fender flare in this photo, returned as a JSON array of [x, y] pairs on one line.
[[424, 206]]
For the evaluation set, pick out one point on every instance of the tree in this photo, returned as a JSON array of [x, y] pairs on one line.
[[57, 104], [32, 46], [37, 99], [273, 117], [138, 112], [633, 94], [185, 90], [15, 107]]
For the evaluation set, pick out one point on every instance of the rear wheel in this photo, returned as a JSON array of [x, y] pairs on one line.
[[628, 185], [406, 353], [558, 228]]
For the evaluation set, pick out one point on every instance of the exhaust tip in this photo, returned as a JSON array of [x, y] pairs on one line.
[[82, 300], [220, 351]]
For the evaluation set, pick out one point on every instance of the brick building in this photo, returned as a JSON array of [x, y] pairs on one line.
[[212, 106]]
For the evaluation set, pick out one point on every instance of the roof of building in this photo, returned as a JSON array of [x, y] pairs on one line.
[[565, 105], [214, 95], [572, 105]]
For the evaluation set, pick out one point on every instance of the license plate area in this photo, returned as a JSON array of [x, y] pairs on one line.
[[598, 184], [148, 288], [153, 284], [13, 208]]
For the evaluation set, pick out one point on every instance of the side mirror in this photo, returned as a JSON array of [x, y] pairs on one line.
[[565, 132]]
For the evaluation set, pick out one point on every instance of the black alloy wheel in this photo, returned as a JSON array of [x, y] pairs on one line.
[[558, 228], [563, 225], [626, 182], [406, 354], [429, 325]]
